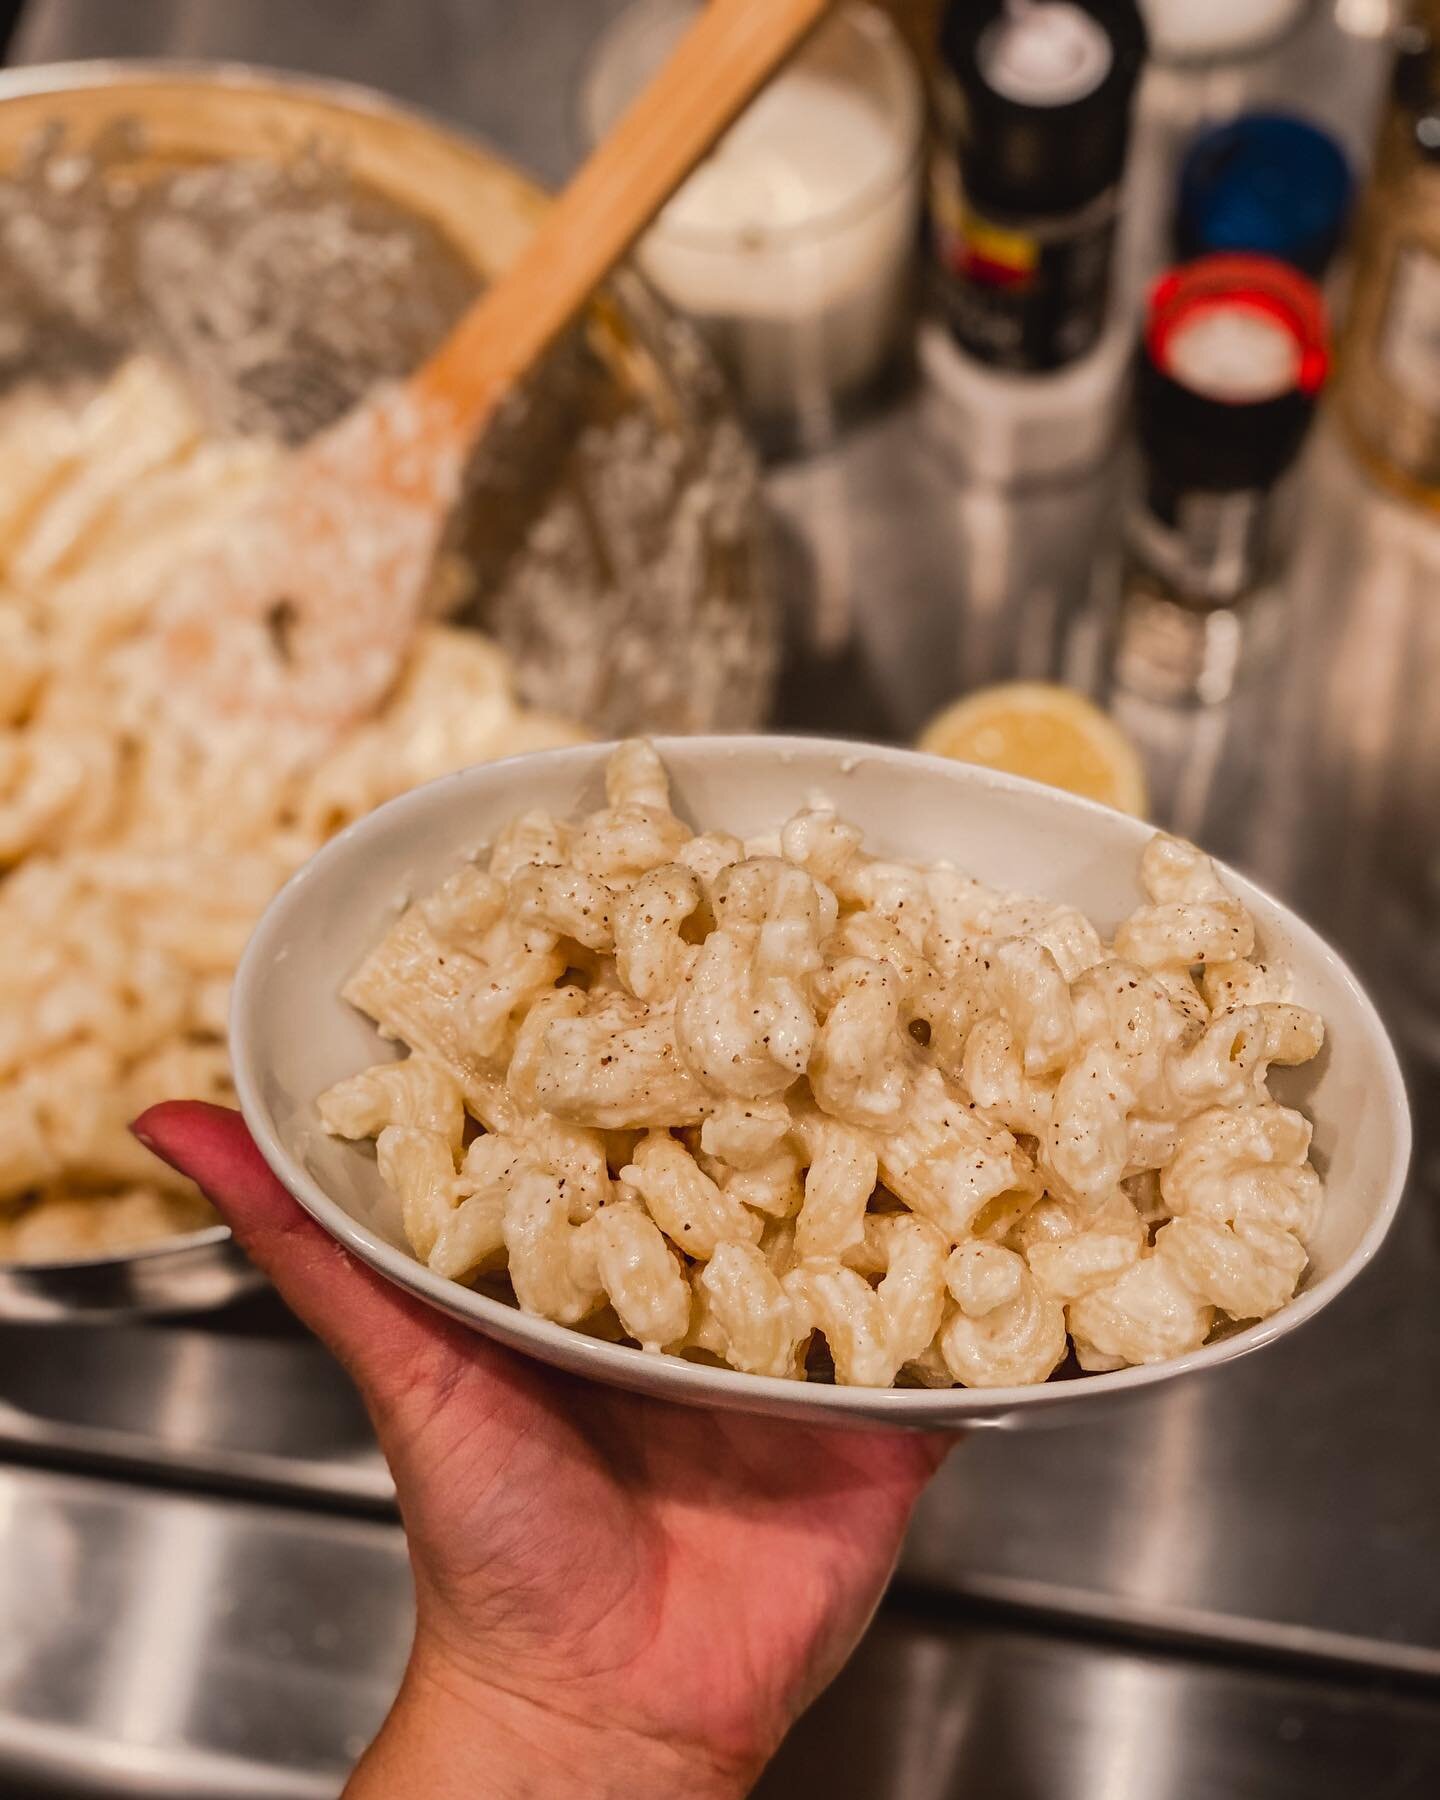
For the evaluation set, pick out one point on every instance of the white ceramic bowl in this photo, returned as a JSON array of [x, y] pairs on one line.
[[292, 1035]]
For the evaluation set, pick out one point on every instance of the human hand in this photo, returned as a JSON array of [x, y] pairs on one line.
[[615, 1596]]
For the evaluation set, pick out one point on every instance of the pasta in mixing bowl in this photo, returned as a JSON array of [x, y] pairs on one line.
[[789, 1108], [134, 859]]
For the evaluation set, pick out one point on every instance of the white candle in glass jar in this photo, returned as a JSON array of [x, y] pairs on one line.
[[792, 245]]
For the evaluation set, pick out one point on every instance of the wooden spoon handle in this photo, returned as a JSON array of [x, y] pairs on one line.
[[719, 65]]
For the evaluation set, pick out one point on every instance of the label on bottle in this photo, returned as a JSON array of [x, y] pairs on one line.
[[1029, 296], [1409, 347]]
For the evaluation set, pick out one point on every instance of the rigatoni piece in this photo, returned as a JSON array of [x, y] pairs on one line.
[[945, 1162]]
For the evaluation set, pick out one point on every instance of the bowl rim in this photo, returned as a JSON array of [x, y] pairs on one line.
[[102, 73], [152, 1251], [683, 1380]]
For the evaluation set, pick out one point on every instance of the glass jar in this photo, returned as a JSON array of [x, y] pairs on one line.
[[1389, 365], [792, 246]]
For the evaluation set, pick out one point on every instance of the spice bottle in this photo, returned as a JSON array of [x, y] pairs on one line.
[[1234, 358], [1034, 101]]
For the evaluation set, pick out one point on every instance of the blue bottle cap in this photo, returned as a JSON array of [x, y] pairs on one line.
[[1268, 183]]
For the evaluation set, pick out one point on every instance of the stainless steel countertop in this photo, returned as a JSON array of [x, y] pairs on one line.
[[1289, 1505], [964, 1709], [175, 1646], [186, 1647]]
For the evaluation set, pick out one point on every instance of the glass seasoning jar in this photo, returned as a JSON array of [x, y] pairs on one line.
[[1388, 389]]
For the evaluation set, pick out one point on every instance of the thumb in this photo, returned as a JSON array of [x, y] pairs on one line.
[[390, 1344]]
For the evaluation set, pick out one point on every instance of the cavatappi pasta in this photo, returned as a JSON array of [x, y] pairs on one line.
[[812, 1110], [133, 857]]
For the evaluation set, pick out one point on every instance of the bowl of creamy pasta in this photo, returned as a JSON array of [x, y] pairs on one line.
[[814, 1078], [201, 268]]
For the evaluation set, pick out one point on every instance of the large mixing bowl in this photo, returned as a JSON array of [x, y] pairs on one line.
[[243, 225]]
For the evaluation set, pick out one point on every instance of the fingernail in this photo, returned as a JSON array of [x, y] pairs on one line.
[[142, 1136]]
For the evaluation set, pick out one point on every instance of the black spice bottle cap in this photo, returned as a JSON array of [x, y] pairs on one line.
[[1236, 352], [1047, 87]]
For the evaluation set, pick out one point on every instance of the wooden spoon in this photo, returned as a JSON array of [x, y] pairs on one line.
[[300, 618]]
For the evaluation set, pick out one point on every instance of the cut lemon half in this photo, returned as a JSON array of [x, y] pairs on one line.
[[1052, 734]]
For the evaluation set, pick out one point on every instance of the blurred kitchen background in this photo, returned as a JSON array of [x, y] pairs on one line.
[[1073, 358]]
